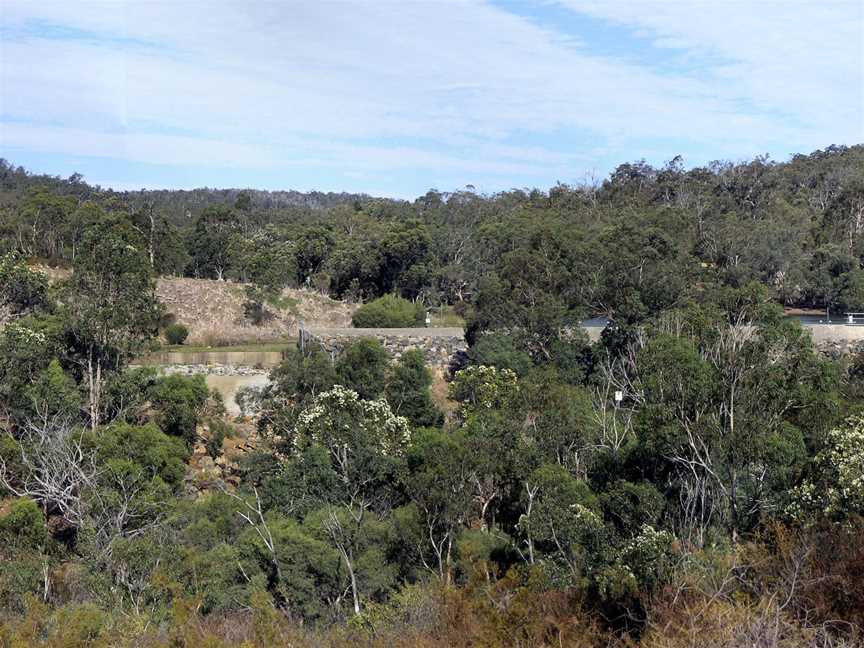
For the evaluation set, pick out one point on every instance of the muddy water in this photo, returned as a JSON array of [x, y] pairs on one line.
[[265, 359], [229, 385], [223, 381]]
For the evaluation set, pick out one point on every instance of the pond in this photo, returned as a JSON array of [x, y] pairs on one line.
[[263, 359]]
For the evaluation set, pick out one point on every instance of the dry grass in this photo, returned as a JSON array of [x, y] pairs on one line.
[[213, 312], [439, 391]]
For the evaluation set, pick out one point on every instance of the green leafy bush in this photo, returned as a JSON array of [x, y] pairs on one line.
[[362, 367], [218, 431], [179, 402], [23, 526], [176, 334], [501, 351], [389, 311], [407, 390], [21, 289]]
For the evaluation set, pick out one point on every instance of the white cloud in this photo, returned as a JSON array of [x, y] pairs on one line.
[[435, 85], [799, 58]]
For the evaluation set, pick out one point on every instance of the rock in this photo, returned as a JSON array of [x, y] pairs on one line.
[[439, 346]]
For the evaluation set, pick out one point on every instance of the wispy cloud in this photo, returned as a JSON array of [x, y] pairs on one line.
[[410, 95]]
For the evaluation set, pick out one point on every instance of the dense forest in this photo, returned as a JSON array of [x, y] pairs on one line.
[[696, 477], [630, 246]]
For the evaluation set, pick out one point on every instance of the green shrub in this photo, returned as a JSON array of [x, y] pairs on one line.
[[142, 450], [407, 391], [363, 366], [179, 402], [500, 351], [23, 526], [218, 431], [176, 334], [389, 311]]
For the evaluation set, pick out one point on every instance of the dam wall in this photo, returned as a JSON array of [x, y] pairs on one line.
[[837, 339], [440, 346]]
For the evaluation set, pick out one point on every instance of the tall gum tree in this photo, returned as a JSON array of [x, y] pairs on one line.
[[112, 305]]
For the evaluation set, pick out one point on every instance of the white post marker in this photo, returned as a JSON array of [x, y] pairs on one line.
[[428, 320], [619, 396]]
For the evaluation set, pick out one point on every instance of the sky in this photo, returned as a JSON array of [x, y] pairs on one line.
[[393, 98]]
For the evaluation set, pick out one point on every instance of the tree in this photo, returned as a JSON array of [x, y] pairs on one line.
[[27, 348], [561, 524], [209, 243], [312, 249], [299, 378], [480, 387], [835, 486], [719, 415], [179, 402], [53, 393], [560, 421], [112, 305], [362, 366], [501, 351], [22, 291], [407, 390], [170, 256], [365, 442], [851, 294], [440, 487], [404, 247]]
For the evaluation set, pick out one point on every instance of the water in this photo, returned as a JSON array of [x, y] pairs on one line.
[[595, 322], [816, 320], [264, 359], [228, 386]]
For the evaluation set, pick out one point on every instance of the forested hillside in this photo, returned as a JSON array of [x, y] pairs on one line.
[[695, 477], [630, 246]]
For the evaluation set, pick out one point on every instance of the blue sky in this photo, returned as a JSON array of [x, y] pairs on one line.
[[396, 97]]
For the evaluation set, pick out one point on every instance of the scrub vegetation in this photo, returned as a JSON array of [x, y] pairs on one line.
[[695, 477]]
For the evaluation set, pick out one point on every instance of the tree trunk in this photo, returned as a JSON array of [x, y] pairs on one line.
[[94, 383], [354, 593], [152, 235]]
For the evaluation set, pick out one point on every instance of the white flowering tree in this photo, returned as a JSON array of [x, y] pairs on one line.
[[366, 443], [480, 387], [561, 525], [836, 488], [24, 353], [350, 427]]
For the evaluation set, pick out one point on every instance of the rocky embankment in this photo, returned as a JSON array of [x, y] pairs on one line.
[[838, 348], [208, 474], [212, 370], [440, 346]]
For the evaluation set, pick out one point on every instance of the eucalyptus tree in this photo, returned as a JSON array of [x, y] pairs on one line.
[[365, 444], [112, 305]]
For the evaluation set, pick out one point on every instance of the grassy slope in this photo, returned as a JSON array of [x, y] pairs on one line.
[[213, 312]]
